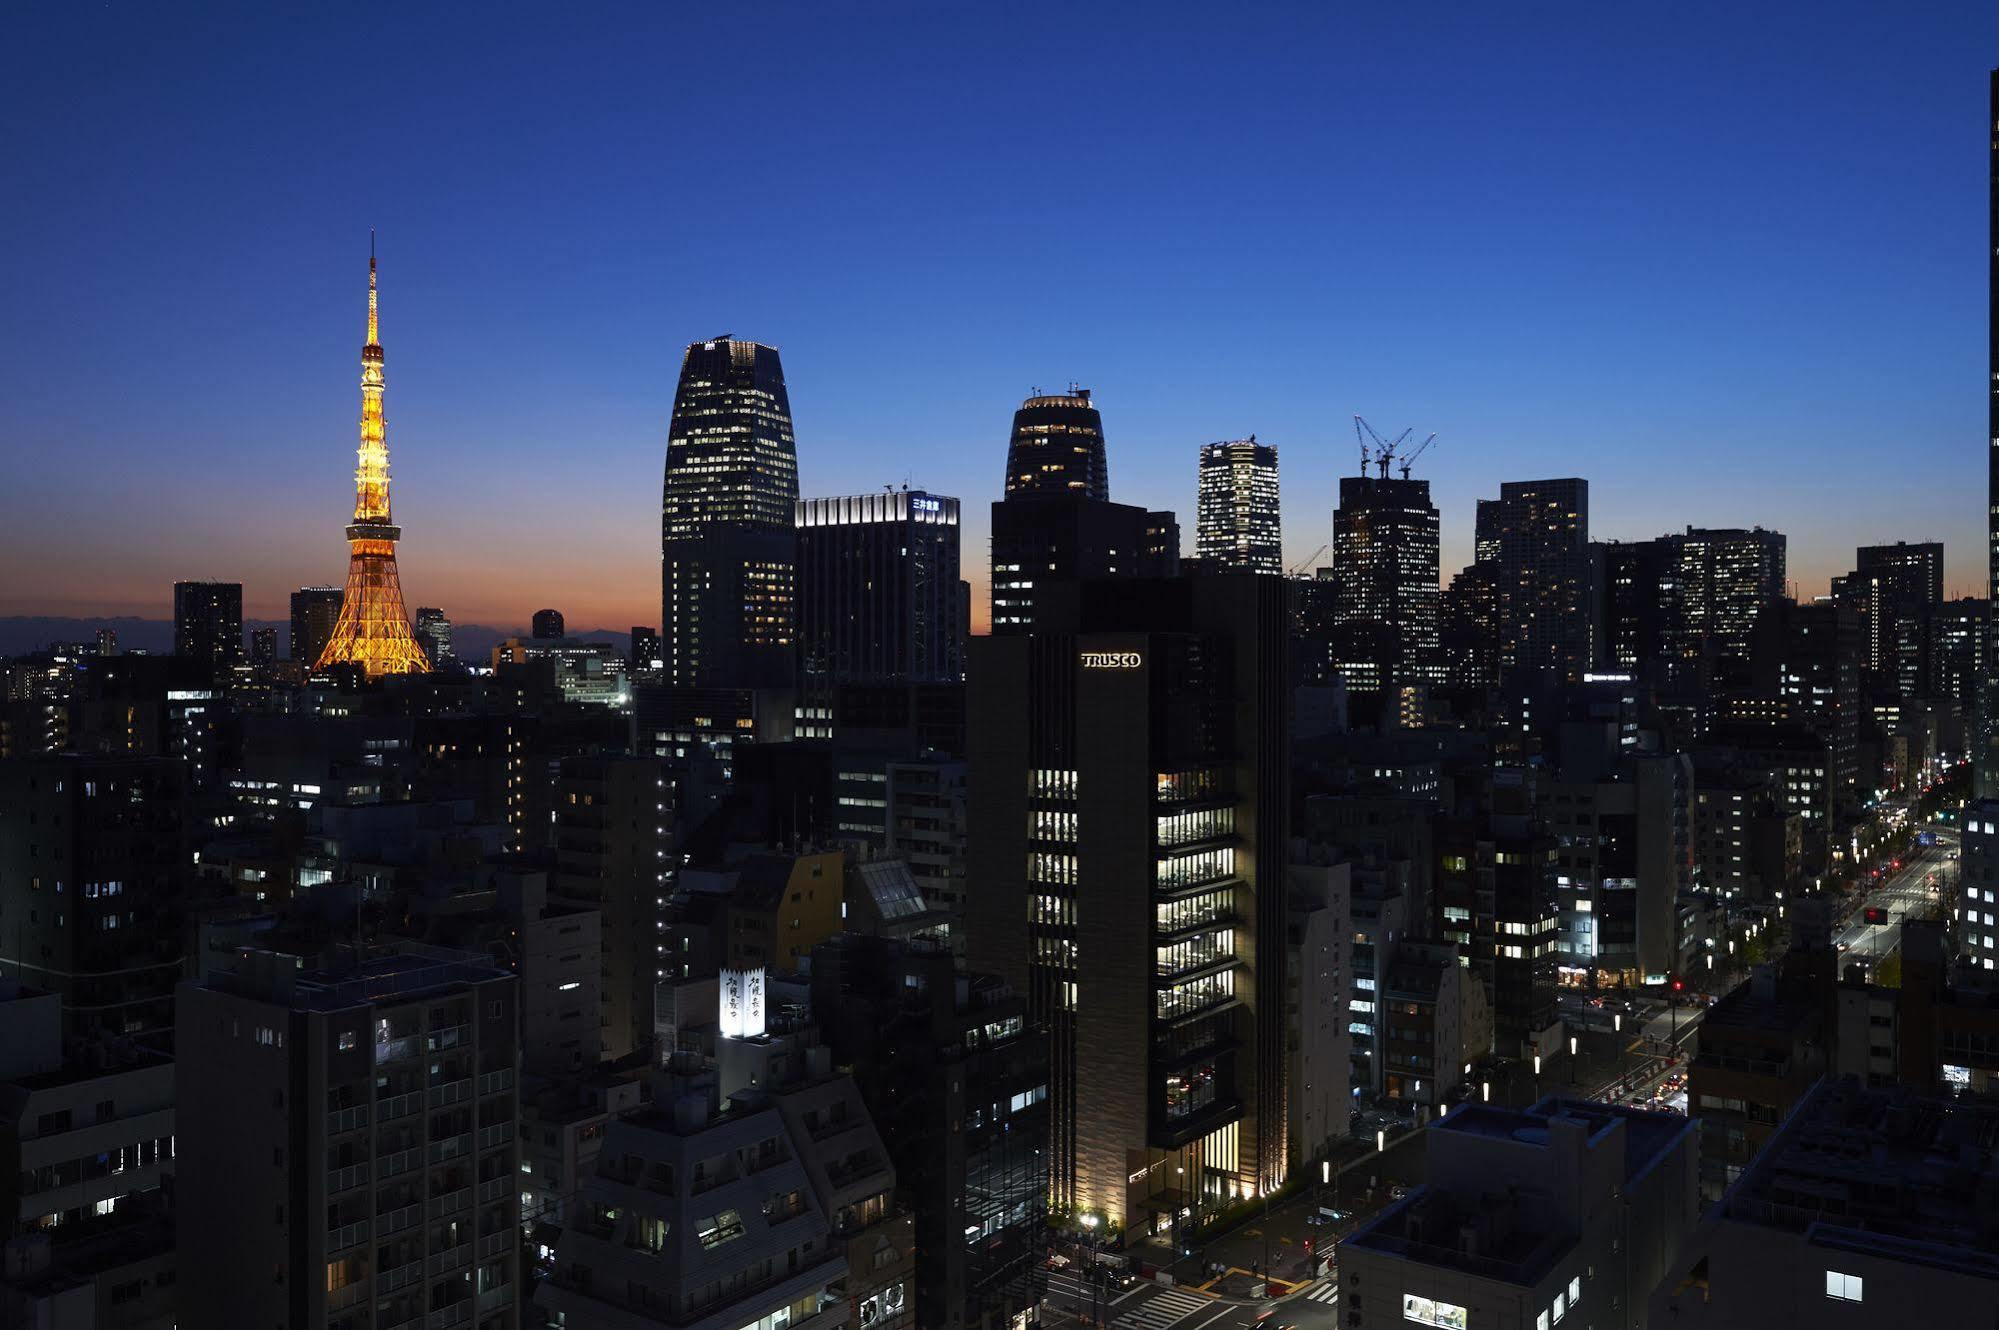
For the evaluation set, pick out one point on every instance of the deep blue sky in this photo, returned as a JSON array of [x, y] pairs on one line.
[[1727, 261]]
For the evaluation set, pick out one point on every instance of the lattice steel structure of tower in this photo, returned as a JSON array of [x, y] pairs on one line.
[[374, 628]]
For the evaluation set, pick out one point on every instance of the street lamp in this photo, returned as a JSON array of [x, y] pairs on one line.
[[1485, 1091], [1572, 1059], [1090, 1222]]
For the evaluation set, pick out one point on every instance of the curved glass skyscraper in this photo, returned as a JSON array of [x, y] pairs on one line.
[[728, 553], [1057, 448]]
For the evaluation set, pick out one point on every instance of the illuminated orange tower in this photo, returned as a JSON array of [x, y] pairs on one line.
[[374, 628]]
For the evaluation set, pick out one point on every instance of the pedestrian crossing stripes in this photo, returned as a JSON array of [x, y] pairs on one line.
[[1166, 1307], [1324, 1293]]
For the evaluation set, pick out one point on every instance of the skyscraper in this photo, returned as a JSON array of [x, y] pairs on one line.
[[315, 609], [208, 623], [727, 547], [263, 647], [1125, 869], [1897, 586], [1236, 510], [1533, 540], [547, 624], [1385, 594], [645, 649], [374, 628], [1057, 447], [1719, 583], [1057, 523], [433, 629], [879, 598]]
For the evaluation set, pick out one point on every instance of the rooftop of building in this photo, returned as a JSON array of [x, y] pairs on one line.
[[1901, 1174], [1764, 1004], [402, 972], [1512, 1234]]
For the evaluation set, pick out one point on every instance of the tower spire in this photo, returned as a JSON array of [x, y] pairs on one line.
[[373, 631]]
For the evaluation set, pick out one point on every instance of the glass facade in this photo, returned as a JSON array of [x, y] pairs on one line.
[[727, 546], [1236, 509]]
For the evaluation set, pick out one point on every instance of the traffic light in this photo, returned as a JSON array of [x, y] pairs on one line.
[[1677, 985], [1308, 1246]]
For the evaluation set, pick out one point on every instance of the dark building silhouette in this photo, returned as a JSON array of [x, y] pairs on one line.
[[1057, 448], [1057, 523], [263, 647], [94, 867], [1125, 870], [547, 624], [1533, 544], [879, 598], [208, 623], [1385, 585], [1896, 587], [727, 546], [954, 1075], [315, 609], [645, 649]]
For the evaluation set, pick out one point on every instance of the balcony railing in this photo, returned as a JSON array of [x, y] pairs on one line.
[[492, 1189], [496, 1135], [347, 1235], [340, 1180], [401, 1106], [451, 1259], [396, 1221], [346, 1120], [451, 1092]]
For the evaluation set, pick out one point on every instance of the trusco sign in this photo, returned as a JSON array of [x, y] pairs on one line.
[[1112, 660]]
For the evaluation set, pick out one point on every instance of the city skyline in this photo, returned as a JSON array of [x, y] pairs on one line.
[[1652, 276]]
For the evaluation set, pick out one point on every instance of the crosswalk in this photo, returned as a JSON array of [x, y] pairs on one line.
[[1326, 1293], [1166, 1307]]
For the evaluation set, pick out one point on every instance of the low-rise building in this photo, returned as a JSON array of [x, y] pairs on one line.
[[1563, 1214], [1870, 1208]]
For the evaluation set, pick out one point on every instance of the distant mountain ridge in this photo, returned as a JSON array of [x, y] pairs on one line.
[[21, 634]]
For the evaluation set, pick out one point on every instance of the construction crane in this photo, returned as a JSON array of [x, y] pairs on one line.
[[1382, 450], [1306, 562], [1409, 459]]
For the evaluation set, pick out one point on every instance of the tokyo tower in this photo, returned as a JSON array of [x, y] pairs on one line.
[[374, 628]]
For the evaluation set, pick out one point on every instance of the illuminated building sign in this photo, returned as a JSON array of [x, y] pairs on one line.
[[742, 1004], [1445, 1315], [926, 505], [1112, 660]]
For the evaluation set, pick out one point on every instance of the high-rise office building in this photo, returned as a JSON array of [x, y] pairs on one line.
[[1954, 650], [374, 628], [1720, 582], [107, 641], [645, 649], [433, 629], [879, 598], [1385, 584], [547, 624], [1897, 586], [315, 609], [1629, 609], [1533, 541], [1806, 664], [727, 545], [208, 623], [1236, 508], [346, 1143], [1127, 763], [1057, 447], [1057, 523], [263, 647]]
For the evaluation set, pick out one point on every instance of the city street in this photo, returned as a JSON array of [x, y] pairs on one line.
[[1905, 892]]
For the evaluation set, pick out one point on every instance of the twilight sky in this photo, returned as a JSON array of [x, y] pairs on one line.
[[1727, 261]]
